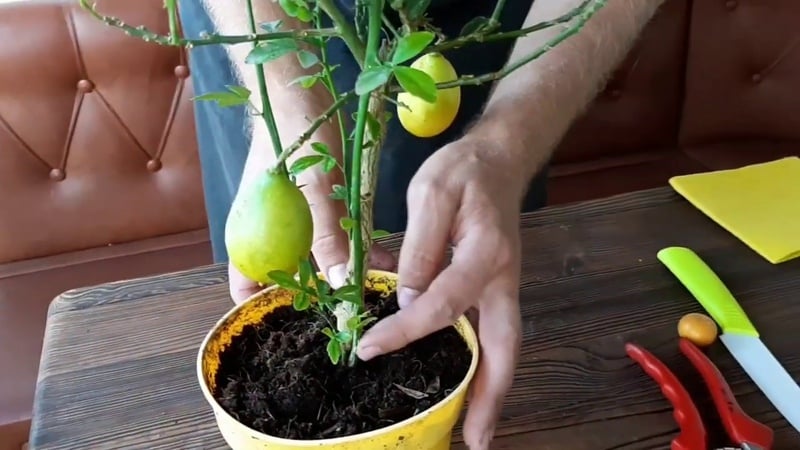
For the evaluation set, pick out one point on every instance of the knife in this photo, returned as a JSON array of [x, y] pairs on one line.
[[739, 335]]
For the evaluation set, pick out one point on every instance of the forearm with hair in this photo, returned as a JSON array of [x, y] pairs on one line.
[[530, 110], [294, 107]]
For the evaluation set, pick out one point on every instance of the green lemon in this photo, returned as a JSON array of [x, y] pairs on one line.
[[269, 227], [427, 119]]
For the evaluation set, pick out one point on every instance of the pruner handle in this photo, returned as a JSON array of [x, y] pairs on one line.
[[693, 433], [741, 428]]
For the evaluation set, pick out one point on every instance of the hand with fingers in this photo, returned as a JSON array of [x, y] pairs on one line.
[[461, 196]]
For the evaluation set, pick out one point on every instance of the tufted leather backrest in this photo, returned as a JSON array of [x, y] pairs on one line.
[[97, 137], [640, 106], [709, 81], [743, 72]]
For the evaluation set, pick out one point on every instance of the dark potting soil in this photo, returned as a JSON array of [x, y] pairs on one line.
[[277, 378]]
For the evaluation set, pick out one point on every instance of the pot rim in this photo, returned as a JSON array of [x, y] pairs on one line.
[[469, 335]]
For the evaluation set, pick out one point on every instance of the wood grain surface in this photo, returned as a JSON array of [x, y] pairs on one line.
[[118, 369]]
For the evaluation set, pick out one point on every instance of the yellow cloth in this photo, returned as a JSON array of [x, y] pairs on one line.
[[759, 204]]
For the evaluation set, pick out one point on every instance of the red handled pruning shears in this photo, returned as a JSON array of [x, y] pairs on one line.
[[745, 431]]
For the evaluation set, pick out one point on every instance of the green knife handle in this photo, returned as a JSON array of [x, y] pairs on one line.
[[708, 289]]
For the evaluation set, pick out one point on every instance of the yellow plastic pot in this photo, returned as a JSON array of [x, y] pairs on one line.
[[429, 430]]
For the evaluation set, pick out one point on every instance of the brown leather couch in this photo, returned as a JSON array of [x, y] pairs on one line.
[[98, 159], [99, 173]]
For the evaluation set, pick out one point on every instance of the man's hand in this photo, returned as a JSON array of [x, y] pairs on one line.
[[461, 196]]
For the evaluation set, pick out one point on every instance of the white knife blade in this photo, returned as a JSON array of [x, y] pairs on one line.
[[767, 373]]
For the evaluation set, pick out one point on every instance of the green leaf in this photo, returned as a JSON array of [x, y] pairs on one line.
[[223, 99], [320, 148], [339, 192], [328, 332], [358, 323], [416, 8], [235, 96], [306, 58], [353, 322], [348, 293], [334, 350], [305, 15], [411, 45], [306, 272], [301, 302], [301, 164], [379, 234], [241, 91], [328, 163], [372, 78], [374, 127], [306, 81], [323, 292], [284, 279], [476, 25], [271, 27], [416, 83], [270, 50], [297, 8], [344, 337], [346, 223], [290, 7]]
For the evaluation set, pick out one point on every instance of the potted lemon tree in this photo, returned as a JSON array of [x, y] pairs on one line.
[[280, 370]]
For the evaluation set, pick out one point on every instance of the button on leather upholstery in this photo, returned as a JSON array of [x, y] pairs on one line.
[[57, 174], [85, 86], [99, 105], [154, 165], [181, 71], [85, 113]]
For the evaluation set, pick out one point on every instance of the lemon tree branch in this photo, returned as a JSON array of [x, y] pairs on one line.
[[588, 10], [306, 136], [266, 107], [175, 39]]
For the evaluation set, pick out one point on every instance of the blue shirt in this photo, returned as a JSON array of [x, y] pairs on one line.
[[223, 145]]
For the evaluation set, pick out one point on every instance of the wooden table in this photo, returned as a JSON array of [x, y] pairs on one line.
[[118, 365]]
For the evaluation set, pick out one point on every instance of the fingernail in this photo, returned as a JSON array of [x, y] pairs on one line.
[[337, 275], [406, 295], [369, 352]]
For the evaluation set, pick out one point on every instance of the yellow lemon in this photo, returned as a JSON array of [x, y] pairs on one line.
[[269, 227], [425, 119]]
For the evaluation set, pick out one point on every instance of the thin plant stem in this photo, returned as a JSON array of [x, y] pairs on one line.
[[324, 117], [491, 37], [332, 89], [358, 253], [473, 80], [266, 106], [498, 11], [346, 30], [147, 35], [388, 24], [172, 14]]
